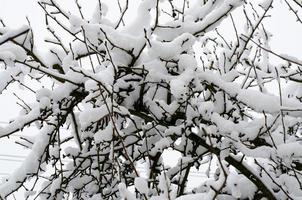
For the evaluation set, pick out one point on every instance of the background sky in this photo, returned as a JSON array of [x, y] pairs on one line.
[[286, 40]]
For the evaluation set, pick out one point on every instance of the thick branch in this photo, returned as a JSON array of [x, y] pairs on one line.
[[238, 165]]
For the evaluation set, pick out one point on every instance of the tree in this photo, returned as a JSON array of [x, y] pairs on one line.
[[112, 96]]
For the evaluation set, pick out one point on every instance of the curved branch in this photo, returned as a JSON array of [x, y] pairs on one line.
[[238, 165]]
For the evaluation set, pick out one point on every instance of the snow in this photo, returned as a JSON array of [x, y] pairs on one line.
[[179, 84], [240, 186], [104, 135], [75, 23], [193, 197], [71, 151], [264, 102], [143, 12], [20, 122], [43, 96], [186, 61], [125, 193], [30, 164], [123, 40], [11, 34], [160, 146], [60, 93], [43, 92], [10, 53], [198, 12], [211, 20], [55, 185], [5, 79], [290, 150], [174, 48], [92, 115], [141, 185], [265, 4]]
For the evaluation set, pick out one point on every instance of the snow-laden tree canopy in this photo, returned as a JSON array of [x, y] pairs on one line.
[[113, 94]]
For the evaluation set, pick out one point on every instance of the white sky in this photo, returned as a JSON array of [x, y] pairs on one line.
[[287, 39]]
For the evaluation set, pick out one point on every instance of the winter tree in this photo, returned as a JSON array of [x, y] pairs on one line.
[[114, 94]]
